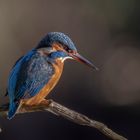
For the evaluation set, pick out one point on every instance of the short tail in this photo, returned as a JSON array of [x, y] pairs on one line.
[[12, 109]]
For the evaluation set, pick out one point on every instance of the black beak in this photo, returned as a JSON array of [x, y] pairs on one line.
[[79, 58]]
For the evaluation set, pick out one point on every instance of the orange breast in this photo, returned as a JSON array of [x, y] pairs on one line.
[[48, 87]]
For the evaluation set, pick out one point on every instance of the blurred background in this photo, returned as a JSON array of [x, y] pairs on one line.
[[105, 32]]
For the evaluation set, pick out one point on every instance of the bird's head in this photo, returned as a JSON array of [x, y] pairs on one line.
[[60, 46]]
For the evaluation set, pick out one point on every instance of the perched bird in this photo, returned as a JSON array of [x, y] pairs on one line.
[[36, 73]]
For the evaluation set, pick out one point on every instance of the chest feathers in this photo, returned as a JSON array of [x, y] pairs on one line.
[[58, 66]]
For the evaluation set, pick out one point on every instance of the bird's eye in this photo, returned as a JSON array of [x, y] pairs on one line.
[[66, 48]]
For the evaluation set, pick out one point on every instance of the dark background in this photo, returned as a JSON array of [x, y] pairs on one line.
[[106, 32]]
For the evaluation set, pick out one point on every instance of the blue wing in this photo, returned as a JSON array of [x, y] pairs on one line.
[[28, 76]]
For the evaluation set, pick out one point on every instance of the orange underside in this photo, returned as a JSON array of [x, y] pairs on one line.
[[48, 87]]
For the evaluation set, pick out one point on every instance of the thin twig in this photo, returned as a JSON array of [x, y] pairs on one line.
[[59, 110]]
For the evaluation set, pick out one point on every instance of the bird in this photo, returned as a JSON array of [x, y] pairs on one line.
[[37, 72]]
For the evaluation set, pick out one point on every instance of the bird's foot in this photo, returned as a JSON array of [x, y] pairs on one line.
[[41, 104], [45, 102]]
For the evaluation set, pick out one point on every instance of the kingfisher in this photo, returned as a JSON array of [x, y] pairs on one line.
[[36, 73]]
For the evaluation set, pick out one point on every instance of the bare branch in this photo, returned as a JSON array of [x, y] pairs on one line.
[[59, 110]]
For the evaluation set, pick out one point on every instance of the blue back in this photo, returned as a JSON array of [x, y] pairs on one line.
[[28, 76]]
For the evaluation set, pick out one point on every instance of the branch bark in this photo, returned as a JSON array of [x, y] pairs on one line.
[[59, 110]]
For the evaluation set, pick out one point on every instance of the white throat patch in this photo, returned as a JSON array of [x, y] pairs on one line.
[[64, 58]]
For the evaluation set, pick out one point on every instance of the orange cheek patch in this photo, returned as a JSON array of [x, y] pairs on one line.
[[57, 47]]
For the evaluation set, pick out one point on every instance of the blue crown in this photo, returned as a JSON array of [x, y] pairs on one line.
[[56, 37]]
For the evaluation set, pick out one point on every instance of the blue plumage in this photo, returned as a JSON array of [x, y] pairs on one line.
[[56, 37], [35, 69], [29, 75], [27, 78]]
